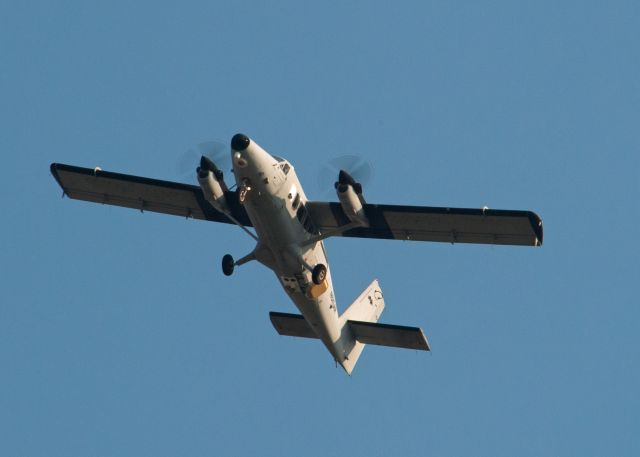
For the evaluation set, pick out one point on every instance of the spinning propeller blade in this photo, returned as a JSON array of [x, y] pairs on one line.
[[356, 168], [217, 157]]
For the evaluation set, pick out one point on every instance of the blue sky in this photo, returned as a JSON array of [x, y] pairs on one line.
[[120, 336]]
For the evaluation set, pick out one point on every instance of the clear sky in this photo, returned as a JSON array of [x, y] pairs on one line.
[[119, 335]]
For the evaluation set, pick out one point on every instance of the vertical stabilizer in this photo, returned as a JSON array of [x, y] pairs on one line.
[[367, 307]]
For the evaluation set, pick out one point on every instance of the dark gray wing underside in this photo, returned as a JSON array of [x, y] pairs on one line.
[[143, 194], [424, 223]]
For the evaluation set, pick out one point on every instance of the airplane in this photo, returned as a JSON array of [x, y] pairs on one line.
[[290, 230]]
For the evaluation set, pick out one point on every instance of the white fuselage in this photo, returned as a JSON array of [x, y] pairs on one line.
[[275, 202]]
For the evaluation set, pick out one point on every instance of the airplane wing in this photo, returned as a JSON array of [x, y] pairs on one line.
[[425, 223], [143, 194]]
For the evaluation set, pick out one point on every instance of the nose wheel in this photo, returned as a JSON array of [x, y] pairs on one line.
[[228, 265], [319, 274]]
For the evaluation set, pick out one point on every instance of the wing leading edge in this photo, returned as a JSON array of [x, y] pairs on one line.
[[424, 223], [144, 194]]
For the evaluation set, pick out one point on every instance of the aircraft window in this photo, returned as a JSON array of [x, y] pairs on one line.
[[285, 168], [296, 201]]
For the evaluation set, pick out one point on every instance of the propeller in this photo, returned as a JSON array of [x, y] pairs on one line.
[[211, 155], [349, 169]]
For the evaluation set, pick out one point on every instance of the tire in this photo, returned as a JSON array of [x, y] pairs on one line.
[[319, 274], [228, 265]]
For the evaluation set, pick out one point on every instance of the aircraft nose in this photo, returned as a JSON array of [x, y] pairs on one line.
[[240, 142]]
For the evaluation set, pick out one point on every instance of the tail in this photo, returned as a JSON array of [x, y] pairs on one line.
[[367, 307], [360, 327]]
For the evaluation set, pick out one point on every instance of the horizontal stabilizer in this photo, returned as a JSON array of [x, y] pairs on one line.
[[291, 325], [397, 336], [389, 335]]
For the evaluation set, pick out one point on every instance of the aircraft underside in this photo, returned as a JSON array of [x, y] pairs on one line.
[[289, 234]]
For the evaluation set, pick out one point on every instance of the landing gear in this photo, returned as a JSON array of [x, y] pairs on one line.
[[319, 274], [227, 265]]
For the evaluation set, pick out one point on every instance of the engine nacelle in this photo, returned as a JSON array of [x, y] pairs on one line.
[[351, 204], [212, 189]]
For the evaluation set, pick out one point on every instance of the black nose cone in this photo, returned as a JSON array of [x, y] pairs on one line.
[[240, 142]]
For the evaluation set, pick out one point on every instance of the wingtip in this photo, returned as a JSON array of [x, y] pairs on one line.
[[427, 346], [537, 226], [53, 168], [539, 232]]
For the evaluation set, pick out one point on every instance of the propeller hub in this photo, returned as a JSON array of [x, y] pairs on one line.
[[346, 178], [206, 165]]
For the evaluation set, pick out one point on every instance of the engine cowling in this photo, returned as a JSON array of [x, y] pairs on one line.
[[351, 200], [212, 184]]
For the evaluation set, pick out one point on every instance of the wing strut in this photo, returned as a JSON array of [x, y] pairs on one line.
[[237, 222]]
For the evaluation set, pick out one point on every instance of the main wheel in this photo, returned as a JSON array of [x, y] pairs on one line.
[[319, 274], [227, 265]]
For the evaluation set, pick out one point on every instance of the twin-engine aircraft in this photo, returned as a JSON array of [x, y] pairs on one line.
[[289, 234]]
